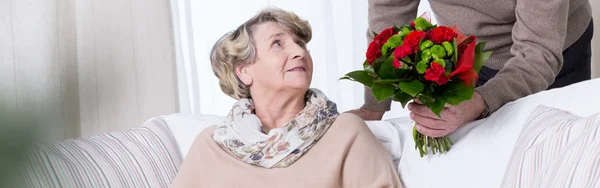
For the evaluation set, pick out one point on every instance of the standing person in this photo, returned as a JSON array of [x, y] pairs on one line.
[[537, 45]]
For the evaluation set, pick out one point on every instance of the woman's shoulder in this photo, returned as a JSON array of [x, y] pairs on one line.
[[350, 123], [205, 136]]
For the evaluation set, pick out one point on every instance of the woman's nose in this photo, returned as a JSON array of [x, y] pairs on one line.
[[298, 52], [297, 57]]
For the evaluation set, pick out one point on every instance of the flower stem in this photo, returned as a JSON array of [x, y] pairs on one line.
[[425, 143]]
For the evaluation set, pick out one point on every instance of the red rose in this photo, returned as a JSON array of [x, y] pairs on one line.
[[413, 38], [412, 24], [402, 51], [396, 63], [436, 74], [383, 37], [442, 34], [373, 52]]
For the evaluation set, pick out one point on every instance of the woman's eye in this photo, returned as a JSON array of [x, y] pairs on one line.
[[302, 44], [276, 43]]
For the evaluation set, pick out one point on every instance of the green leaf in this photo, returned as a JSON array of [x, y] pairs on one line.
[[426, 98], [480, 60], [436, 105], [406, 60], [387, 81], [455, 56], [387, 69], [480, 56], [368, 68], [377, 63], [422, 67], [359, 76], [402, 73], [403, 98], [456, 92], [413, 88], [383, 91]]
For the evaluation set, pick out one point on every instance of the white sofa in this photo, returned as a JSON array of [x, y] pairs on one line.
[[149, 155]]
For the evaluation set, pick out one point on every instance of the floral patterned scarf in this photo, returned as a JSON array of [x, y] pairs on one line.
[[241, 133]]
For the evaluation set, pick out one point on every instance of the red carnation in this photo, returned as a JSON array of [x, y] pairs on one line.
[[402, 51], [436, 74], [373, 52], [413, 38], [383, 37], [396, 63], [442, 34]]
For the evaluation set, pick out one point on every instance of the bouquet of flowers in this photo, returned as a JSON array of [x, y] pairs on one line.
[[436, 64]]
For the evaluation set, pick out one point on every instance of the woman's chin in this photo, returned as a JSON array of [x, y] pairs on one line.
[[300, 85]]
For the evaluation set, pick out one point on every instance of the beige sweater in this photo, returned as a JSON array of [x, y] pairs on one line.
[[348, 155], [527, 37]]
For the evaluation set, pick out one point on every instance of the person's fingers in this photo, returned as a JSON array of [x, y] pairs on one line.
[[431, 132], [422, 110], [429, 122], [424, 120]]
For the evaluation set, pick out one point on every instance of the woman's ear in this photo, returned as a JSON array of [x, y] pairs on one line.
[[243, 74]]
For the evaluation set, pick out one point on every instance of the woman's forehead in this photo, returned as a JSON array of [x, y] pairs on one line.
[[270, 30]]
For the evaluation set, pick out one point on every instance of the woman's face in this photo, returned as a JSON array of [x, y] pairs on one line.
[[282, 62]]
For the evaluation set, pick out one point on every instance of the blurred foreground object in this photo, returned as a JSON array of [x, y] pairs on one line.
[[15, 138]]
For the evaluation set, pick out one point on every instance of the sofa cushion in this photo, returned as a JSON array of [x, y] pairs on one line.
[[143, 156]]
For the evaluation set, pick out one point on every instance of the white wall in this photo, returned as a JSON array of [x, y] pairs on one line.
[[84, 67]]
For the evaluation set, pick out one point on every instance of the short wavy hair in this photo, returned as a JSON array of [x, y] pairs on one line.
[[237, 48]]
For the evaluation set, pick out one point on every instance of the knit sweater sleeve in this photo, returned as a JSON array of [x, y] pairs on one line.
[[538, 39], [366, 163], [383, 14]]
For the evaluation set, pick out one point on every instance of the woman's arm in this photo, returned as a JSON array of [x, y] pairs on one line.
[[367, 163]]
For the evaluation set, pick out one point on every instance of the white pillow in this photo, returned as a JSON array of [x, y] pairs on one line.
[[483, 148], [556, 149], [186, 127]]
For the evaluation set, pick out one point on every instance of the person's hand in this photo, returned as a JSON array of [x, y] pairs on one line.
[[452, 117], [367, 115]]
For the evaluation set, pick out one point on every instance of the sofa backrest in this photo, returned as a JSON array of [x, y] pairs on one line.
[[143, 156]]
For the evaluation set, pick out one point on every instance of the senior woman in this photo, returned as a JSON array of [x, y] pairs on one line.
[[280, 133]]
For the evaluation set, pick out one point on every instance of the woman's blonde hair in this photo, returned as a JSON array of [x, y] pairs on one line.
[[236, 48]]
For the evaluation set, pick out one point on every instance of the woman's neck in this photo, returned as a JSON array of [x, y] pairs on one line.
[[274, 109]]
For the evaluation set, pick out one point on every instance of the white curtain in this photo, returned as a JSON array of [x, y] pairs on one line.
[[338, 46]]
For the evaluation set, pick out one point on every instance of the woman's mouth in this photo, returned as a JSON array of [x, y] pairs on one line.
[[297, 69]]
